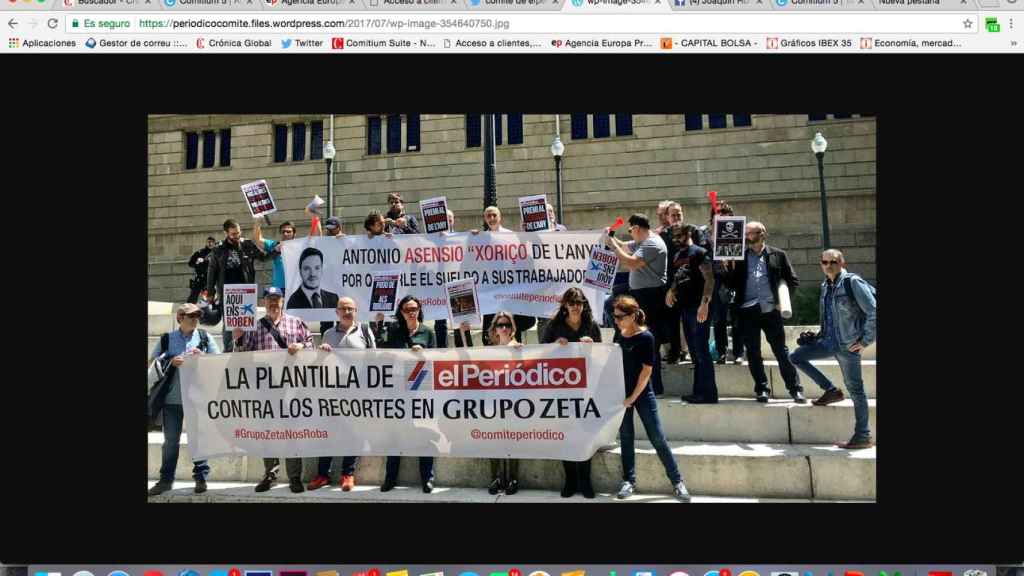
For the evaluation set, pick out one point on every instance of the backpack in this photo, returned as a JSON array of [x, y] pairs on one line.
[[158, 393], [365, 331], [848, 288]]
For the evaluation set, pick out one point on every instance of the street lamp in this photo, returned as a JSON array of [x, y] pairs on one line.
[[818, 145], [329, 153], [557, 149]]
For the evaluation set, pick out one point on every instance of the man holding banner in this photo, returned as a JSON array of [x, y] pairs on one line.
[[276, 331]]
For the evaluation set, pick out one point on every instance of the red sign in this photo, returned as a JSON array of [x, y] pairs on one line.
[[337, 43], [547, 373]]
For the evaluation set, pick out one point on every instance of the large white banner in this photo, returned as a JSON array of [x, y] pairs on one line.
[[521, 272], [542, 401]]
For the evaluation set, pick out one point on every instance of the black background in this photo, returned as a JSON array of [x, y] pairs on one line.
[[948, 157]]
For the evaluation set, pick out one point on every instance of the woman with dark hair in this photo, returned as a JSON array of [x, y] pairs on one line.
[[638, 360], [408, 331], [504, 471], [574, 322]]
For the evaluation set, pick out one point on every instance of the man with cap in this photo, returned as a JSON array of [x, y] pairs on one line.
[[199, 263], [333, 227], [173, 347], [397, 221], [276, 331]]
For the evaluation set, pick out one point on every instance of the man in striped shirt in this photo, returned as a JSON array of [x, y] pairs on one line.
[[276, 331]]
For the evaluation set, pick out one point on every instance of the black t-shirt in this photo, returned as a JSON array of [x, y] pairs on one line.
[[233, 265], [637, 350], [556, 330], [689, 281]]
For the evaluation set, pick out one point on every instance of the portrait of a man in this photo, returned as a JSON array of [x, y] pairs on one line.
[[309, 294]]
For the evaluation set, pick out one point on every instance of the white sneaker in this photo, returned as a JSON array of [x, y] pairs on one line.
[[681, 494], [625, 491]]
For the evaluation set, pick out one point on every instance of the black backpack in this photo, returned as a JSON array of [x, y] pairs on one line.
[[158, 393]]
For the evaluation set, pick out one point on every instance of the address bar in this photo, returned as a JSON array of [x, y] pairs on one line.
[[736, 23]]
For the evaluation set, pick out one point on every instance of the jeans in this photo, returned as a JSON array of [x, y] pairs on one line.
[[229, 341], [671, 317], [753, 322], [849, 364], [426, 468], [647, 407], [719, 314], [697, 339], [348, 465], [174, 418], [441, 332]]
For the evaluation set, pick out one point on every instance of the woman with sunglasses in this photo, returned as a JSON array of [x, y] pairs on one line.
[[638, 360], [408, 331], [504, 471], [574, 322]]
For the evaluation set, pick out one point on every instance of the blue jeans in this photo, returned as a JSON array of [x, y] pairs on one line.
[[849, 364], [174, 418], [647, 407], [348, 465], [697, 341]]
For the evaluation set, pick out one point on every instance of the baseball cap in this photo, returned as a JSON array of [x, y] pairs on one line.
[[332, 222], [273, 291]]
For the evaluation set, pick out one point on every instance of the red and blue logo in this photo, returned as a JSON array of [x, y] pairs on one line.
[[419, 373]]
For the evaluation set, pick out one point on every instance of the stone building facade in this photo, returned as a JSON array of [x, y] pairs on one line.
[[765, 170]]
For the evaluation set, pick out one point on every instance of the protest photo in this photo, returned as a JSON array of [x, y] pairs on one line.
[[659, 316]]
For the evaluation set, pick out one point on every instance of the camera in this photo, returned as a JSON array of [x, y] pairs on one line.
[[806, 338]]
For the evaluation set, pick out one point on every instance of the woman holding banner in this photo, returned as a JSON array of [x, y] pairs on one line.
[[408, 331], [504, 471], [574, 322], [638, 360]]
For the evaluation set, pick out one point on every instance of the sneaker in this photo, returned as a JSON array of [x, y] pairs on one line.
[[681, 494], [200, 486], [798, 396], [738, 359], [830, 397], [762, 395], [295, 484], [625, 491], [512, 488], [318, 482], [348, 481], [160, 487], [857, 444], [495, 487], [428, 487], [268, 480], [388, 485]]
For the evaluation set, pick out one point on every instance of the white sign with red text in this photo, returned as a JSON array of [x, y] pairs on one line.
[[541, 401]]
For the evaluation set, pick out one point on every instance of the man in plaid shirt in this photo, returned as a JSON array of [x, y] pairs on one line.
[[276, 331]]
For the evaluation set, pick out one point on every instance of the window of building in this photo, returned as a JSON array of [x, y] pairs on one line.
[[394, 133], [225, 147], [298, 142], [602, 126], [504, 124], [316, 140], [373, 135], [412, 132], [694, 120], [280, 142], [739, 120], [716, 121], [191, 150], [623, 124], [579, 126], [391, 139], [209, 148]]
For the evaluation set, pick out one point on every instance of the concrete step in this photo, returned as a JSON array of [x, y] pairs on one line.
[[735, 381], [729, 469], [367, 494], [746, 420]]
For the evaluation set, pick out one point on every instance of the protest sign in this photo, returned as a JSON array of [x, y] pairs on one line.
[[257, 197], [435, 215], [523, 273], [730, 240], [534, 210], [240, 307], [601, 268], [384, 293], [463, 303], [546, 402]]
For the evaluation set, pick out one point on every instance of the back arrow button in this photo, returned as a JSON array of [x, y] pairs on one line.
[[12, 23]]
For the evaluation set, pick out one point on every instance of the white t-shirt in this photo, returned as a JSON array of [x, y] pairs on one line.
[[351, 339]]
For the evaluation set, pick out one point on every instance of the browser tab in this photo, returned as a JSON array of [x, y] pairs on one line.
[[820, 5], [516, 5], [719, 5], [619, 6], [929, 5], [417, 5]]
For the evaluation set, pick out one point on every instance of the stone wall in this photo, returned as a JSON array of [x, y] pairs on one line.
[[766, 171]]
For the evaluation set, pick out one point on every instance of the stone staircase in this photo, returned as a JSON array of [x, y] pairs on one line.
[[736, 450]]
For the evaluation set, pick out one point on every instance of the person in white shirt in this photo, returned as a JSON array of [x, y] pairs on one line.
[[347, 333]]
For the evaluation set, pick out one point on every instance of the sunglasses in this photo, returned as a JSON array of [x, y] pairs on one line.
[[620, 316], [503, 326], [827, 262]]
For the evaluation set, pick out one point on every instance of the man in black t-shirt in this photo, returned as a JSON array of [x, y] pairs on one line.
[[231, 263], [692, 287]]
